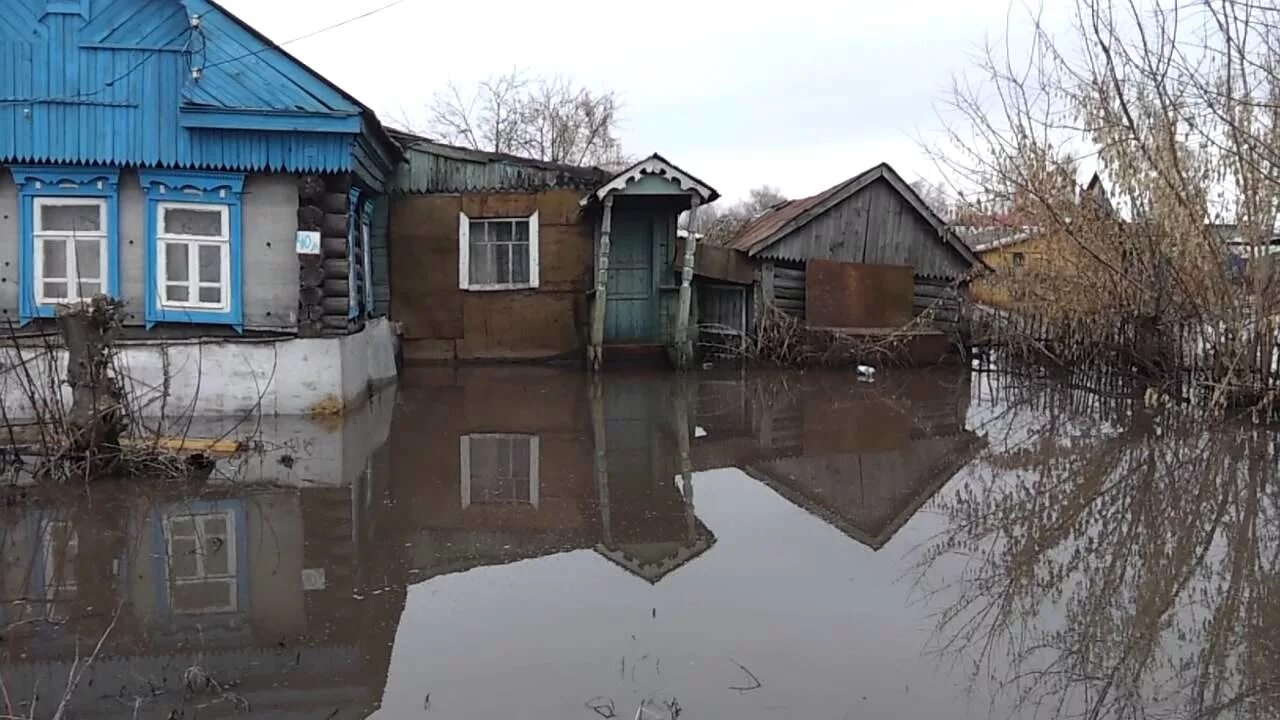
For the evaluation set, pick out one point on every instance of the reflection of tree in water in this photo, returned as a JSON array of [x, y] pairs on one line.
[[1117, 574]]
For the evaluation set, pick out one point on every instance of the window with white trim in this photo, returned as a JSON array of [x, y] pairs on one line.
[[202, 562], [193, 241], [499, 469], [498, 253], [70, 248]]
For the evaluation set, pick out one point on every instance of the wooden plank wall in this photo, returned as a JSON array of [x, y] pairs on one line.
[[943, 298], [786, 287], [875, 225]]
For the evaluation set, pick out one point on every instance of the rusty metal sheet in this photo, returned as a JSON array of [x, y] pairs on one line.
[[849, 295], [720, 263]]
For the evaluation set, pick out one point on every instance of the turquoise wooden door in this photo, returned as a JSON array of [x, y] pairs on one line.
[[631, 311]]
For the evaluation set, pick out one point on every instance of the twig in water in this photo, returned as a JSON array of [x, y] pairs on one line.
[[8, 705], [77, 674], [756, 684], [603, 707]]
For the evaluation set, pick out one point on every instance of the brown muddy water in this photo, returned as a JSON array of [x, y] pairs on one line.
[[527, 543]]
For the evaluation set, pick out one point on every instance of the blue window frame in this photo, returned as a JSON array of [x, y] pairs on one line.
[[194, 248], [353, 248], [87, 204], [360, 254], [200, 559], [366, 248]]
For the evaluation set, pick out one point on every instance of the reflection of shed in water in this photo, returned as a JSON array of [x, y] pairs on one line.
[[500, 467], [863, 458]]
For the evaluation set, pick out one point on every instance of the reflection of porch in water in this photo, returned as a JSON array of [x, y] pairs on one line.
[[648, 524], [514, 469]]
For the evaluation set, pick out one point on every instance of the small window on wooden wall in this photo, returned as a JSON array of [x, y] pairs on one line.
[[499, 469], [497, 253]]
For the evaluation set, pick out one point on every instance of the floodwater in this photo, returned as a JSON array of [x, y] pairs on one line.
[[530, 543]]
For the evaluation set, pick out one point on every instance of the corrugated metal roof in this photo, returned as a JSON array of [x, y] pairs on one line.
[[773, 220], [432, 167]]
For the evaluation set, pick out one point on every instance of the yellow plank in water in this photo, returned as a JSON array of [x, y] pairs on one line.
[[189, 445]]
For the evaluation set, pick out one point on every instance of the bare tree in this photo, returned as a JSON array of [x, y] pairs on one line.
[[549, 119], [759, 200], [721, 224], [935, 196], [1177, 102]]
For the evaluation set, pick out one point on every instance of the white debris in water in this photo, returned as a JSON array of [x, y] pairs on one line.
[[699, 432], [866, 373]]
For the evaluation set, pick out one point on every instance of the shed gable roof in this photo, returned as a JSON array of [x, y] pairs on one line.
[[785, 218]]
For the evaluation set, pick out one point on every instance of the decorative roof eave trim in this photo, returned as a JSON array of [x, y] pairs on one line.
[[659, 166], [57, 175], [209, 118], [194, 180]]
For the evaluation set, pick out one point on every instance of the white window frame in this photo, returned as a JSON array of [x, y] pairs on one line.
[[534, 454], [193, 243], [202, 573], [464, 254], [69, 238]]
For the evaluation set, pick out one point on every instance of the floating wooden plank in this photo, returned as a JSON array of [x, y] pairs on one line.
[[184, 445]]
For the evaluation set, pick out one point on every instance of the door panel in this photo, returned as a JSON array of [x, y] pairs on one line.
[[631, 311]]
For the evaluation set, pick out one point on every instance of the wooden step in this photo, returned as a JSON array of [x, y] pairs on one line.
[[636, 355]]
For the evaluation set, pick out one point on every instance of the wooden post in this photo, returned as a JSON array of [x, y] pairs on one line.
[[684, 429], [595, 353], [684, 338], [766, 283], [601, 460]]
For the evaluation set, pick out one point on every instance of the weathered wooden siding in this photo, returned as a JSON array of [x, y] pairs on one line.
[[784, 286], [381, 256], [436, 168], [442, 322], [324, 297], [875, 225], [942, 300]]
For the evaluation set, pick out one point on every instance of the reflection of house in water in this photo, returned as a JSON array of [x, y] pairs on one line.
[[863, 458], [279, 596], [502, 465]]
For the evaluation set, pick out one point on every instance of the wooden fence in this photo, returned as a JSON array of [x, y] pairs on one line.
[[1188, 361]]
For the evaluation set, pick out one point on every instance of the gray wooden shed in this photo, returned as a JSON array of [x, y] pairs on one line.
[[873, 218]]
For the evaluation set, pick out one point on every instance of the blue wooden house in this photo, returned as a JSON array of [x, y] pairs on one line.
[[165, 153]]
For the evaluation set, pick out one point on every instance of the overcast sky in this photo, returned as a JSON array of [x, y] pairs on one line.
[[799, 94]]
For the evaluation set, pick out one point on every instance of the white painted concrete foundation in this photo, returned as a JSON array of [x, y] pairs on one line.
[[221, 378]]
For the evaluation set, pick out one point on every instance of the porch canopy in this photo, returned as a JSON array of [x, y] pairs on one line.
[[656, 176], [639, 210]]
